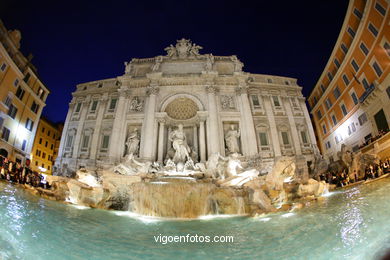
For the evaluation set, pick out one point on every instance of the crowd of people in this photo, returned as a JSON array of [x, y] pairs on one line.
[[16, 173], [374, 138], [343, 178]]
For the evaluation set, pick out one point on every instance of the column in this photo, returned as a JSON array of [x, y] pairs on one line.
[[195, 139], [149, 123], [115, 149], [308, 121], [248, 130], [202, 142], [213, 135], [272, 125], [293, 126], [169, 143], [65, 131], [98, 124], [161, 141], [77, 140]]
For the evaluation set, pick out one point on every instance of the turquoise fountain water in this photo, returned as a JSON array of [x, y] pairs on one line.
[[352, 224]]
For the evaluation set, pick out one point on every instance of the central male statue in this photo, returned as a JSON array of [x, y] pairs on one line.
[[179, 143]]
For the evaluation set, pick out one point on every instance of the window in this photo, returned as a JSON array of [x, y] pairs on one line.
[[43, 165], [48, 167], [328, 103], [319, 115], [287, 83], [285, 138], [327, 145], [255, 100], [357, 13], [294, 102], [100, 85], [3, 67], [338, 138], [78, 107], [346, 80], [336, 61], [344, 48], [336, 93], [46, 143], [6, 133], [85, 141], [8, 101], [37, 152], [27, 77], [386, 46], [16, 82], [48, 133], [54, 136], [263, 139], [372, 29], [365, 83], [12, 111], [52, 146], [354, 98], [269, 80], [20, 93], [388, 92], [112, 104], [362, 119], [324, 129], [43, 155], [93, 106], [34, 107], [36, 163], [322, 88], [69, 141], [40, 140], [330, 76], [106, 139], [351, 128], [377, 68], [276, 101], [334, 120], [304, 137], [344, 109], [364, 48], [24, 144], [351, 32], [41, 93], [29, 124], [380, 9], [355, 65]]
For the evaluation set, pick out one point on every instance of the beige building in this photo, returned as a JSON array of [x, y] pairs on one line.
[[222, 110], [46, 144], [22, 98]]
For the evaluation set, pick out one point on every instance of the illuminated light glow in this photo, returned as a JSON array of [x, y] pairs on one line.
[[79, 207], [159, 182], [142, 218], [289, 179], [264, 219], [287, 215]]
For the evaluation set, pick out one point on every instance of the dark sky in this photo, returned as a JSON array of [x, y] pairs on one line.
[[76, 42]]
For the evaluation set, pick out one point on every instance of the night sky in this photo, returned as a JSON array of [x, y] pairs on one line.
[[81, 42]]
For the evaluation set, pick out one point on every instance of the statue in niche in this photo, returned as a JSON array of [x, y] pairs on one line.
[[231, 139], [132, 142], [136, 105], [179, 144]]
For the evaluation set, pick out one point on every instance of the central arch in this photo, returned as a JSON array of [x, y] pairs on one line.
[[170, 99]]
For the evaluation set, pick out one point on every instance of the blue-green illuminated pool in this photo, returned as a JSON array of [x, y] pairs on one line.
[[352, 224]]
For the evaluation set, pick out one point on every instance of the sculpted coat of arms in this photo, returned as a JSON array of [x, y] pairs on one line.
[[183, 49]]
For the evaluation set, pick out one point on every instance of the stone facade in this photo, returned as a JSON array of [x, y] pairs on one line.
[[210, 96]]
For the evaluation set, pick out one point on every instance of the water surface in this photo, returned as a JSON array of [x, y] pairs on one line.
[[351, 224]]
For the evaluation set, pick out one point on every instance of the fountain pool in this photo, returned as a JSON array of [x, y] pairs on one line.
[[349, 224]]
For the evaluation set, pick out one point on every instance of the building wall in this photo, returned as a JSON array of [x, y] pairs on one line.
[[45, 148], [14, 68], [261, 106], [356, 65]]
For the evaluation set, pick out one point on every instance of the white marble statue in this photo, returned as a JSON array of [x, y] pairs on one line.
[[132, 142], [171, 51], [136, 105], [231, 139], [179, 143], [156, 65], [128, 67]]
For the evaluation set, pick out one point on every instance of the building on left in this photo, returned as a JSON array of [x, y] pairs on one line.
[[22, 98]]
